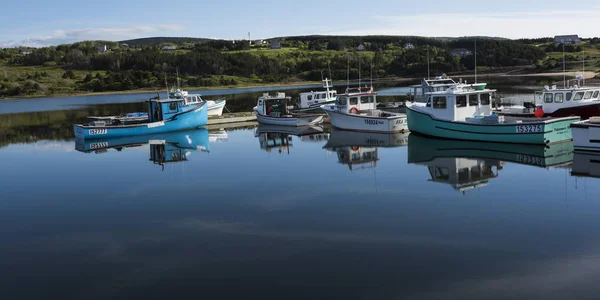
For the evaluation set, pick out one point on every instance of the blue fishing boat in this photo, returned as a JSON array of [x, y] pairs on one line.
[[164, 115]]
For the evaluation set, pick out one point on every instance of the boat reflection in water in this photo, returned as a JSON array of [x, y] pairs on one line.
[[217, 136], [466, 165], [586, 164], [360, 149], [164, 148], [280, 137]]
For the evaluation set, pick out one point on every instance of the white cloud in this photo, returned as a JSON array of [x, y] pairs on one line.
[[509, 25], [107, 33]]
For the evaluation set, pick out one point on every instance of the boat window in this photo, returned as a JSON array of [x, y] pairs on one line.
[[342, 101], [485, 99], [317, 96], [463, 175], [173, 106], [595, 94], [569, 94], [324, 96], [353, 101], [309, 97], [588, 95], [548, 97], [558, 98], [366, 99], [260, 102], [461, 101], [439, 102], [578, 96], [473, 101]]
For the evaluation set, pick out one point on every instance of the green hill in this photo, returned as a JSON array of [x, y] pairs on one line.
[[151, 41]]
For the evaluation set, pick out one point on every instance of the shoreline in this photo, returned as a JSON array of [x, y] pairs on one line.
[[586, 75]]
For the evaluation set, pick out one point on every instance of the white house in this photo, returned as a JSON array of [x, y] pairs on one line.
[[462, 52], [169, 48], [103, 48], [361, 47], [409, 46]]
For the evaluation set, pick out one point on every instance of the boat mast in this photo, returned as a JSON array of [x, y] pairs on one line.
[[177, 70], [564, 69], [347, 73], [475, 60], [428, 74], [359, 59], [167, 86], [583, 58]]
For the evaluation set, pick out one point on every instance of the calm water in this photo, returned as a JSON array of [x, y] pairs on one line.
[[252, 213]]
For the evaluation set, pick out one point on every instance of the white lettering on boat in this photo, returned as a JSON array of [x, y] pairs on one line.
[[98, 145], [529, 128], [97, 131], [530, 160], [373, 122], [155, 124], [400, 121]]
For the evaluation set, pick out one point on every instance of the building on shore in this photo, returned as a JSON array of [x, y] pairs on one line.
[[567, 39]]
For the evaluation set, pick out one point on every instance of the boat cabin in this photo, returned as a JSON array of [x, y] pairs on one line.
[[355, 100], [552, 99], [316, 98], [363, 157], [273, 106], [164, 109], [463, 173], [438, 84], [460, 103]]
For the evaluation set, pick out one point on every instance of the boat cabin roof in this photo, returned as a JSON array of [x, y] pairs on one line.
[[460, 89]]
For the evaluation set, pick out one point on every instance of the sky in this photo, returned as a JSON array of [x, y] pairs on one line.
[[39, 23]]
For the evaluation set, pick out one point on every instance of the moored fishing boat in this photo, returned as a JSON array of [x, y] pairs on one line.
[[464, 112], [273, 110], [586, 134], [214, 107], [163, 115], [310, 102], [357, 110]]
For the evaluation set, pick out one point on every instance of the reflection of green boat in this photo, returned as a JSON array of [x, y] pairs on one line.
[[423, 149]]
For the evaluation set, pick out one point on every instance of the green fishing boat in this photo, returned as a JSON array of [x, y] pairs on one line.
[[464, 112]]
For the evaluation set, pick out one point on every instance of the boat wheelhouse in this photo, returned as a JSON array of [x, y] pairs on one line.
[[163, 115], [356, 109], [214, 107], [573, 100], [312, 101], [464, 111], [273, 110]]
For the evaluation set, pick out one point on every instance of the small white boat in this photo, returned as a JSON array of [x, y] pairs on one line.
[[312, 101], [586, 134], [215, 108], [357, 110], [273, 110]]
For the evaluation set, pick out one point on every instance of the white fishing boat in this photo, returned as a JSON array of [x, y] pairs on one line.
[[312, 101], [273, 110], [586, 134], [357, 110], [215, 108]]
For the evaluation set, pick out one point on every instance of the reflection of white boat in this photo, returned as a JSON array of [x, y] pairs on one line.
[[586, 164], [217, 136], [297, 131], [340, 138], [273, 110]]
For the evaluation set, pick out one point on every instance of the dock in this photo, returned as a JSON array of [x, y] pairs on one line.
[[226, 120]]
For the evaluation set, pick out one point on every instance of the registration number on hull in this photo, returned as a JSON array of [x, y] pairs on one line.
[[98, 145], [529, 128], [97, 131], [373, 122]]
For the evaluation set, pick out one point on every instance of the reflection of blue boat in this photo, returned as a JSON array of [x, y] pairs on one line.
[[164, 115], [164, 147]]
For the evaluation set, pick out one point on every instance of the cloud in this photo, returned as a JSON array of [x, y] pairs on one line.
[[509, 25], [58, 37]]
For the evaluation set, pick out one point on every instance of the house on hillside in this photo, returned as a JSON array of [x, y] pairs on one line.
[[25, 51], [103, 48], [275, 44], [567, 39], [361, 47], [169, 48], [409, 46], [461, 52]]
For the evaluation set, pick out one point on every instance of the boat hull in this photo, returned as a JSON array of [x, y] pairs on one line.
[[366, 123], [290, 121], [215, 108], [536, 131], [586, 136], [187, 120]]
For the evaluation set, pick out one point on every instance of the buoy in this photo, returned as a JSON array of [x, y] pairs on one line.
[[354, 110], [355, 148], [539, 112]]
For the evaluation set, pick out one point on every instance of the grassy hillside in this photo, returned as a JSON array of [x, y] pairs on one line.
[[153, 41]]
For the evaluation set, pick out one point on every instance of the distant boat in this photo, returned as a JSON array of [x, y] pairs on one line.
[[312, 101], [357, 110], [586, 135], [163, 115], [215, 108], [464, 111], [273, 110]]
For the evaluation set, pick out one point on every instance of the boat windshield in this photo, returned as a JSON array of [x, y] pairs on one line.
[[342, 100]]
